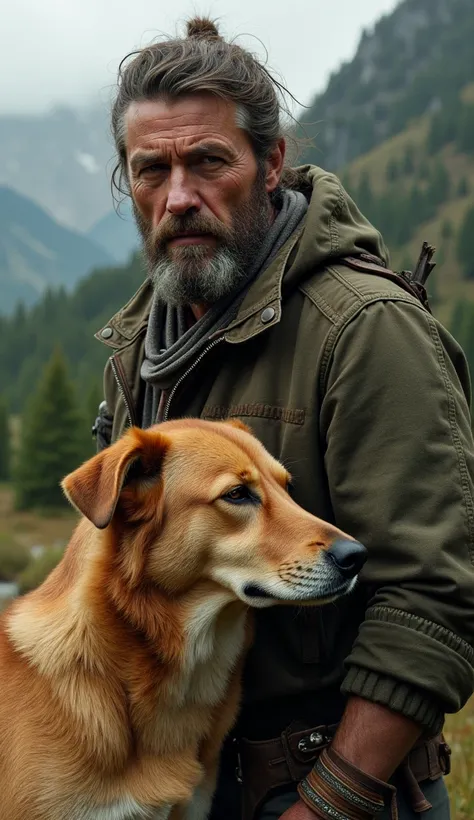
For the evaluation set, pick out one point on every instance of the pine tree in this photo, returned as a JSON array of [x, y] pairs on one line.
[[440, 258], [463, 187], [436, 135], [409, 160], [465, 244], [439, 187], [444, 126], [50, 445], [4, 443], [432, 288], [423, 170], [392, 171], [465, 137], [365, 196], [447, 229]]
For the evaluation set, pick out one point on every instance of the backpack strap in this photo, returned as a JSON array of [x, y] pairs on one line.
[[414, 283]]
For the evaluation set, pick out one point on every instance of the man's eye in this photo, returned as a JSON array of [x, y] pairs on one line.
[[211, 160], [240, 495], [157, 167]]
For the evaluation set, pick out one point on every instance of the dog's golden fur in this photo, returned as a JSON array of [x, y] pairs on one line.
[[120, 675]]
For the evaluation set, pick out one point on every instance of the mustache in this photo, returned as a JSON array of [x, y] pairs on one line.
[[187, 224]]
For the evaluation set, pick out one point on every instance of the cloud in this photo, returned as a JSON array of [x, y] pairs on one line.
[[68, 51]]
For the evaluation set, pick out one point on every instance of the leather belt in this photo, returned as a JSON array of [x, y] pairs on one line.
[[263, 765]]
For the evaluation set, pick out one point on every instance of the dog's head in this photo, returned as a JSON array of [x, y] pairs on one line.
[[190, 501]]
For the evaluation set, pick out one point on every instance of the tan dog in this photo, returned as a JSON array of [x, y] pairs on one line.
[[119, 676]]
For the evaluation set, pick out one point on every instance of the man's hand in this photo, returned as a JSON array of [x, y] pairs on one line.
[[299, 811]]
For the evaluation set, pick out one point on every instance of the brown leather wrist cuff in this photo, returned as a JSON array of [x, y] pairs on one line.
[[337, 790]]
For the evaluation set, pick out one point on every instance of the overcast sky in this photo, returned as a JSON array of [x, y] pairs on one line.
[[54, 51]]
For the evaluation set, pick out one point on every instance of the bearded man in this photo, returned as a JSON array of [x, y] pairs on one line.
[[268, 299]]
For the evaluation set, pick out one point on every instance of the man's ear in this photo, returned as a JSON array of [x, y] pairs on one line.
[[94, 488], [274, 165]]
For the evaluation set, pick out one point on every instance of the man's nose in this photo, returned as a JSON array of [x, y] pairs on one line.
[[348, 556], [182, 196]]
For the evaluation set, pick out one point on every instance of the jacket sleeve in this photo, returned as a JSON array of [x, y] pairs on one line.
[[400, 466]]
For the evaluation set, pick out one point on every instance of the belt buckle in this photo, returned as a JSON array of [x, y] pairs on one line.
[[312, 742]]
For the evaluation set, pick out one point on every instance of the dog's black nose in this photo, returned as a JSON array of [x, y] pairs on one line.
[[348, 556]]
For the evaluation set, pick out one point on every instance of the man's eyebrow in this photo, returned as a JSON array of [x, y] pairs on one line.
[[206, 148], [142, 157], [203, 149]]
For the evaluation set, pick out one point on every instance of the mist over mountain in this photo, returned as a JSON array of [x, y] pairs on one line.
[[36, 252], [62, 160]]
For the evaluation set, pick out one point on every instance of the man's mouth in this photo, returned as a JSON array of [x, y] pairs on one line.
[[192, 239]]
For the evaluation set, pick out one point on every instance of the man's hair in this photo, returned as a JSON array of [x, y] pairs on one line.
[[198, 63]]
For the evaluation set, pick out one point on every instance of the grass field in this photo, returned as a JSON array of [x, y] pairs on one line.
[[31, 529], [459, 733]]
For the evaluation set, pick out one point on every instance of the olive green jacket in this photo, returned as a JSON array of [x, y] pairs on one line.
[[358, 390]]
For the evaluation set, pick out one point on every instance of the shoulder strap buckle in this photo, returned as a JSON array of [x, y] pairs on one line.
[[413, 282]]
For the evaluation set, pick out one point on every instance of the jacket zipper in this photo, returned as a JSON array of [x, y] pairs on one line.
[[186, 374], [123, 388]]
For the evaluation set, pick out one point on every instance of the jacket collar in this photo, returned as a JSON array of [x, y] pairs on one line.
[[260, 309]]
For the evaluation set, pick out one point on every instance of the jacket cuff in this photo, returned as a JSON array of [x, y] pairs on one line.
[[395, 695]]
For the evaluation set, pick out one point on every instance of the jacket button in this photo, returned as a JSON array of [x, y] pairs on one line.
[[106, 333], [267, 315]]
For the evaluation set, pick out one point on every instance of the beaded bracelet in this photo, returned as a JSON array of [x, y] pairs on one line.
[[337, 790]]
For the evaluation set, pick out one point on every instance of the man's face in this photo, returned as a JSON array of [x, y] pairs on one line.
[[200, 200]]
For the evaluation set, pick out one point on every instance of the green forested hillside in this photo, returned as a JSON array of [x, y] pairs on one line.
[[67, 320], [397, 124], [419, 185], [415, 61]]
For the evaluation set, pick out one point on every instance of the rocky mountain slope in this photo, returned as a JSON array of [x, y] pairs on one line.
[[36, 252]]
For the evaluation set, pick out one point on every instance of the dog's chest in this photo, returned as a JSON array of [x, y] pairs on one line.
[[126, 809], [212, 649]]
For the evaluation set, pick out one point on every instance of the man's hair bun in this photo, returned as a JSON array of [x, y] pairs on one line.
[[202, 27]]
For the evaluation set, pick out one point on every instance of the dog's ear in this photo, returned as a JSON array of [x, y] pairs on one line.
[[94, 488]]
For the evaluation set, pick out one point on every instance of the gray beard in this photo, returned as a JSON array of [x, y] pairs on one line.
[[197, 276]]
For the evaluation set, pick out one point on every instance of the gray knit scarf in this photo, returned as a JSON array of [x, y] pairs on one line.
[[170, 346]]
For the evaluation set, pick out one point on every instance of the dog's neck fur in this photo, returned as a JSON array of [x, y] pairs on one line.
[[154, 655]]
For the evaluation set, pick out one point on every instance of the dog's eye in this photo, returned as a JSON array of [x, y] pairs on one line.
[[240, 495]]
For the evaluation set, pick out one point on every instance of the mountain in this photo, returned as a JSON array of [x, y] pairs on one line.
[[397, 124], [116, 233], [419, 185], [411, 64], [61, 160], [36, 252]]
